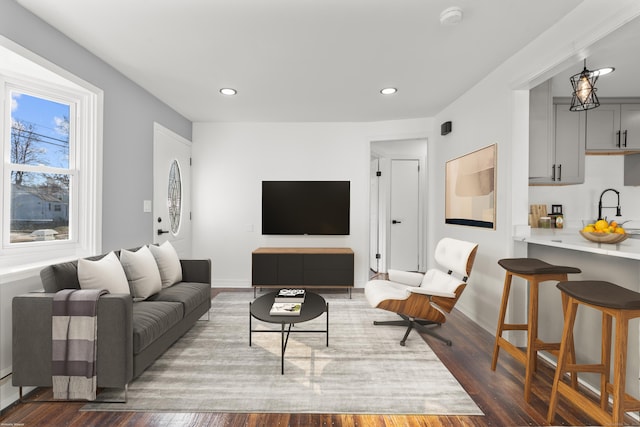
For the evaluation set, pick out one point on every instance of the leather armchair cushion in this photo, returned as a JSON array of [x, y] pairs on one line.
[[408, 278]]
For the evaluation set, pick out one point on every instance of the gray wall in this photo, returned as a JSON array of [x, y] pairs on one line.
[[129, 113]]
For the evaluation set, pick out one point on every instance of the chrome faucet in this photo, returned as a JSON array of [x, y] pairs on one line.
[[600, 203]]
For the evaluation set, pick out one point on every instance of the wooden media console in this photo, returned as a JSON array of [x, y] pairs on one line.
[[302, 268]]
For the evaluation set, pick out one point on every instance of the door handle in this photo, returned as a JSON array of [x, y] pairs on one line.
[[395, 221], [625, 139], [161, 231], [618, 138]]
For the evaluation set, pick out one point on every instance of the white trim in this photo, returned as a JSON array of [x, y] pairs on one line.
[[157, 127], [77, 116], [32, 71]]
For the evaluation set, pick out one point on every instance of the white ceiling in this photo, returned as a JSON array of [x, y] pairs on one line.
[[619, 50], [302, 60]]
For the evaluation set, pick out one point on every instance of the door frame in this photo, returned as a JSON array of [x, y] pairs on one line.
[[187, 239], [375, 237], [385, 151]]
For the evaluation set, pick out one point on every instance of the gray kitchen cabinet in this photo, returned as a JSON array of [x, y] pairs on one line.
[[569, 146], [613, 128], [541, 150], [556, 141]]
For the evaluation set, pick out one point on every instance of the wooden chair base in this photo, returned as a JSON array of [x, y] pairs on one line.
[[528, 357], [622, 402]]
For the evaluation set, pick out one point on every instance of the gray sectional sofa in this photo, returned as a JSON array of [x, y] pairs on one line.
[[131, 335]]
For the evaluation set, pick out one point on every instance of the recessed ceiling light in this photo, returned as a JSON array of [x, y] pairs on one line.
[[604, 71], [228, 91], [388, 91]]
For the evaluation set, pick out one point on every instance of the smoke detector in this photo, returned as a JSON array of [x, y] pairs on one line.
[[451, 16]]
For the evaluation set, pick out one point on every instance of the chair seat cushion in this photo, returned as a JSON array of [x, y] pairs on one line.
[[530, 266], [602, 294], [377, 291], [152, 319]]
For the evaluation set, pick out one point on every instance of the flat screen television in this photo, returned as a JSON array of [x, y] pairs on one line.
[[306, 207]]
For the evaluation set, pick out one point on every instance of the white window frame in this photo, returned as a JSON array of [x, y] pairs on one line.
[[43, 79], [59, 95]]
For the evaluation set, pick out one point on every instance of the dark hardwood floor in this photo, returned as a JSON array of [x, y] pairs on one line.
[[498, 394]]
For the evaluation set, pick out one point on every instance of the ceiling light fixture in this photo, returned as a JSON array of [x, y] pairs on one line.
[[584, 88], [228, 91], [451, 16], [388, 91]]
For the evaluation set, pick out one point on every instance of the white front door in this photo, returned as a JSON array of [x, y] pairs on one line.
[[405, 192], [172, 190]]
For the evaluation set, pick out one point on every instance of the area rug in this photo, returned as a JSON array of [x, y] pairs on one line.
[[364, 370]]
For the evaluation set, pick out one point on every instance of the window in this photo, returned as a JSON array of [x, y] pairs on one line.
[[174, 197], [50, 180], [40, 168]]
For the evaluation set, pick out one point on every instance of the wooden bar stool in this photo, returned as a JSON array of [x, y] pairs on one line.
[[535, 272], [615, 302]]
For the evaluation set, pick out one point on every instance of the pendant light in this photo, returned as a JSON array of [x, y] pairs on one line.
[[584, 88]]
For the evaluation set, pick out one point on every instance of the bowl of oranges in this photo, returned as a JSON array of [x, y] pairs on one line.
[[603, 231]]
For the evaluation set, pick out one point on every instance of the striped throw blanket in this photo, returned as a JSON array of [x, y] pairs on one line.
[[74, 333]]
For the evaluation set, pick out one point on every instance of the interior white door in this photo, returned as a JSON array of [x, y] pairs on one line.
[[172, 190], [404, 238]]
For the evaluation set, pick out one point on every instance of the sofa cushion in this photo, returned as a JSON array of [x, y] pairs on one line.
[[152, 319], [62, 276], [142, 272], [106, 273], [168, 263], [189, 294]]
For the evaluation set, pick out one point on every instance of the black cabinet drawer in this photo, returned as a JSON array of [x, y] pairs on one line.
[[328, 277], [290, 269], [264, 269], [328, 262]]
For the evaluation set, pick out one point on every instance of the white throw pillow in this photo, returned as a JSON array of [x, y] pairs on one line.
[[142, 272], [168, 263], [105, 273]]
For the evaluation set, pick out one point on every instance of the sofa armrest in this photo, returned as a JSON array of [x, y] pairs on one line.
[[196, 270], [31, 328]]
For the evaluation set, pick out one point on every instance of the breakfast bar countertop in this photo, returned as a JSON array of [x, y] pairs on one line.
[[568, 238]]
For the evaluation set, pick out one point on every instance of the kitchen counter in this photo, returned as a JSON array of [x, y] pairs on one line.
[[616, 263], [567, 238]]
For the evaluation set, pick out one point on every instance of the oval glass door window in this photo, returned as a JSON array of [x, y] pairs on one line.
[[174, 197]]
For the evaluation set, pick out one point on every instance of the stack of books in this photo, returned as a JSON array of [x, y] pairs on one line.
[[290, 295], [288, 302]]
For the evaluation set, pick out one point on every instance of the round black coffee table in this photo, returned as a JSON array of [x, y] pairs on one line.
[[313, 306]]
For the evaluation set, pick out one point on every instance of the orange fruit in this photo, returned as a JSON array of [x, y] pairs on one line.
[[601, 224], [620, 230]]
